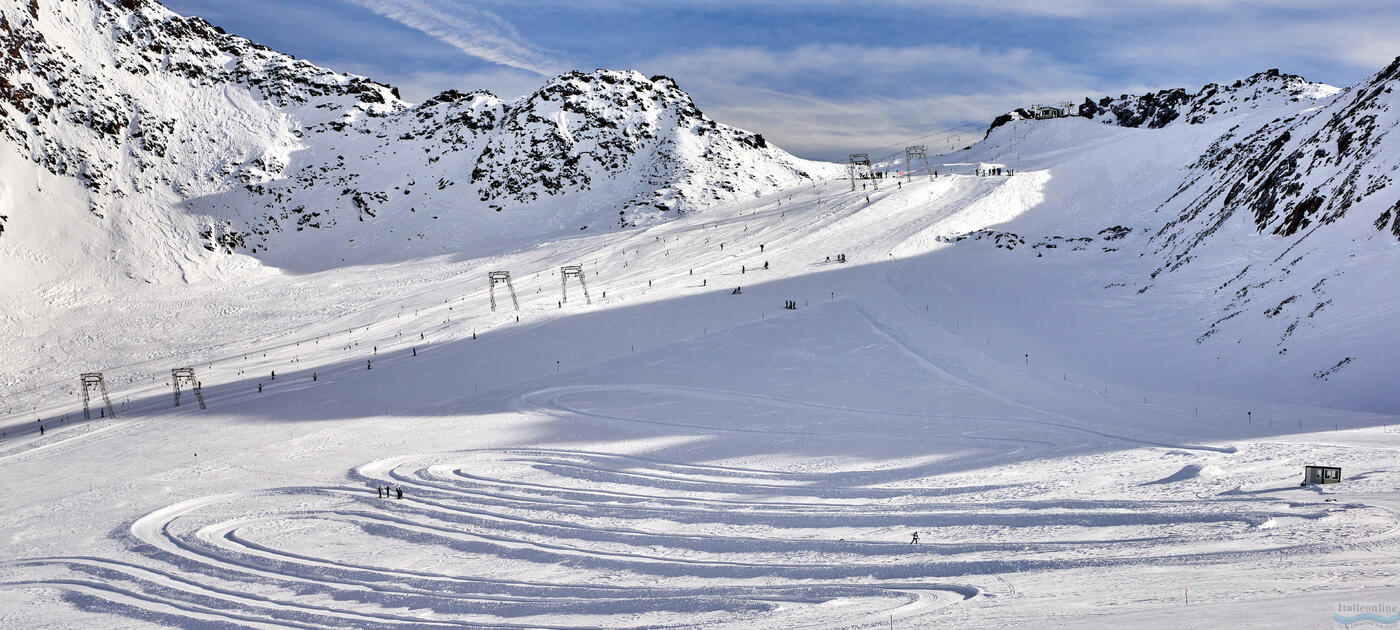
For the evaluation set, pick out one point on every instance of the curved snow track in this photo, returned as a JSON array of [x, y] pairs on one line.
[[579, 539]]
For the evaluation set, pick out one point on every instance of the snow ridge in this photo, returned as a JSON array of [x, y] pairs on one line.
[[604, 148], [190, 143], [1154, 110], [1297, 172]]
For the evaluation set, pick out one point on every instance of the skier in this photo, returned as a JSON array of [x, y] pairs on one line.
[[380, 491], [915, 541], [41, 429], [765, 265], [760, 248], [400, 492], [259, 388], [274, 375]]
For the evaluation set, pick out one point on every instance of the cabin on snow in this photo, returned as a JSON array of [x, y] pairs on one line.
[[1321, 474]]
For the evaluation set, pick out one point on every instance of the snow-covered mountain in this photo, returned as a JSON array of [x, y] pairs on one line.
[[1261, 210], [1262, 91], [113, 114], [1265, 91], [592, 150], [1299, 172], [137, 142]]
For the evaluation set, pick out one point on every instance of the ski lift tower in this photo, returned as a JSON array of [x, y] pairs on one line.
[[860, 166], [185, 376], [501, 277], [93, 382], [573, 271], [916, 151]]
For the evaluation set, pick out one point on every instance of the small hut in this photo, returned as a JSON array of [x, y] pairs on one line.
[[1321, 474]]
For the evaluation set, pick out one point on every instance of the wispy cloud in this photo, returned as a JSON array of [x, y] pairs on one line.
[[1052, 8], [1364, 42], [824, 100], [507, 83], [476, 32]]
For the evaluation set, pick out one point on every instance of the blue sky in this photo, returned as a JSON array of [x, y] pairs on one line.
[[824, 79]]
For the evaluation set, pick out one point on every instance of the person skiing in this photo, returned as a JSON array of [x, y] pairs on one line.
[[379, 490], [400, 492], [915, 541], [41, 429]]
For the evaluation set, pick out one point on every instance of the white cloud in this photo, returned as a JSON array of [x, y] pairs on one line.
[[1362, 42], [473, 31], [882, 95], [506, 83]]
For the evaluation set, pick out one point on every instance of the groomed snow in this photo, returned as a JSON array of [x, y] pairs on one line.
[[677, 455]]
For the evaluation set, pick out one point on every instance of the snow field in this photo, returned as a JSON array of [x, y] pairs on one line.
[[694, 458]]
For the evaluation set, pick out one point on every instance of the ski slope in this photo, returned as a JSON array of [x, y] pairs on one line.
[[673, 454]]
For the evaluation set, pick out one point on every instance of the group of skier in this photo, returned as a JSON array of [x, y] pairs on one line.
[[385, 492]]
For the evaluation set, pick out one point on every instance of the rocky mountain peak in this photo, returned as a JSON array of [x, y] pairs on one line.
[[1266, 90], [1300, 171], [175, 127]]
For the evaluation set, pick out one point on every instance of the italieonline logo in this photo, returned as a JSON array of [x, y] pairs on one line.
[[1355, 615]]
